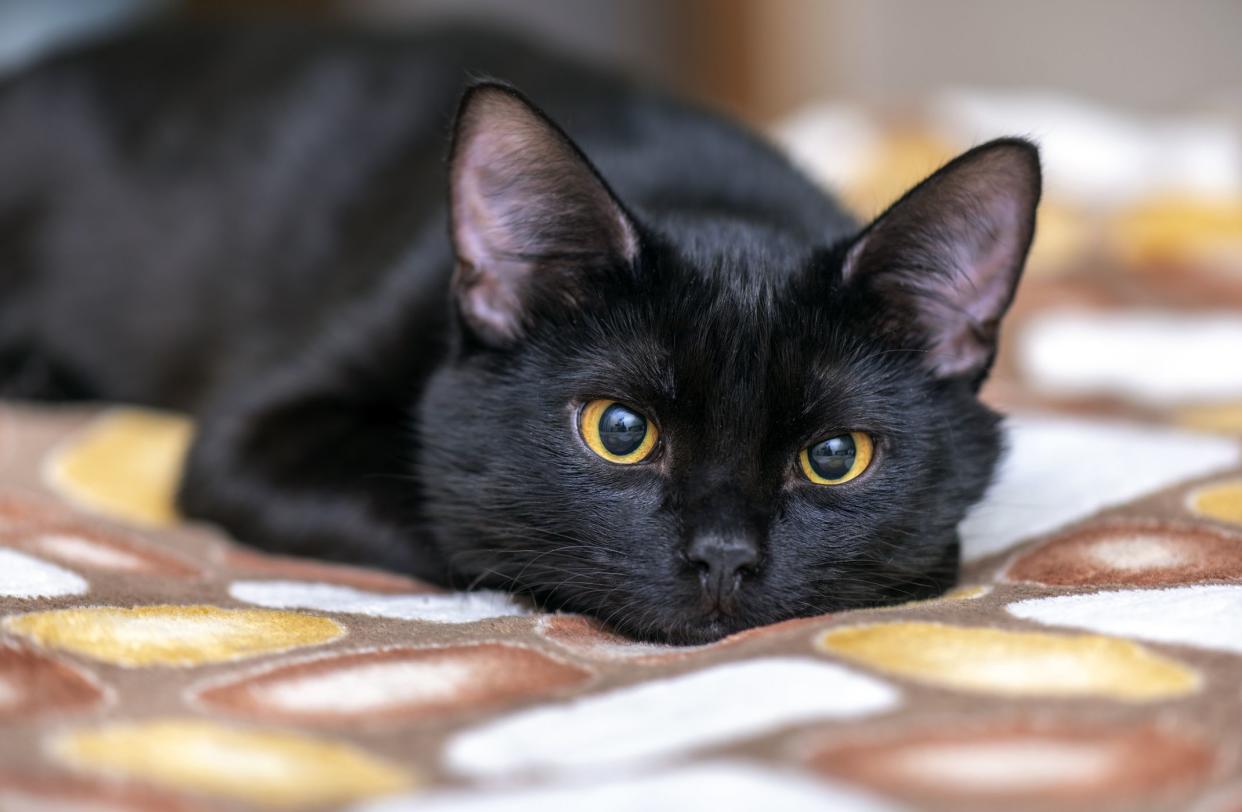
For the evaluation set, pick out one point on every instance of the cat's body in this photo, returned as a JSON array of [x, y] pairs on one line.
[[243, 184], [254, 226]]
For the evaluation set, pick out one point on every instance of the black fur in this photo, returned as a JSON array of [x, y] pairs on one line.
[[252, 226]]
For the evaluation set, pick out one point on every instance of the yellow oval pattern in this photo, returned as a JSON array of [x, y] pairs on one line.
[[968, 592], [1222, 501], [173, 635], [268, 767], [125, 464], [1015, 663], [1220, 418]]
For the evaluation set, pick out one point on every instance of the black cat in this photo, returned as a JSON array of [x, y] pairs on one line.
[[639, 367]]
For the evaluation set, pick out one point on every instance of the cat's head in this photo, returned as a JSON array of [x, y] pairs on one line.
[[687, 427]]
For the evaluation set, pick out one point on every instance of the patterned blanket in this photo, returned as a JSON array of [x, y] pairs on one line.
[[1091, 658]]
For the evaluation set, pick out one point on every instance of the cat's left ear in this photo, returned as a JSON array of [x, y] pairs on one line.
[[530, 215], [946, 258]]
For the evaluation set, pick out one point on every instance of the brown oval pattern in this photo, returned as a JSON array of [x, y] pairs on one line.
[[32, 684], [399, 684], [1132, 553], [61, 536], [1018, 761], [19, 511], [587, 637], [89, 549]]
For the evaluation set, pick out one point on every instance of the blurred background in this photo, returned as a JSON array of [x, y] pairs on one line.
[[763, 58], [1133, 305]]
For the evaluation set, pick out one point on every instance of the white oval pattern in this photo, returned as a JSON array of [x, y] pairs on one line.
[[1203, 615], [24, 576], [653, 721], [459, 607]]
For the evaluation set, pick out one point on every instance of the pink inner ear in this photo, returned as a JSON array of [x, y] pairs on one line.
[[988, 261], [491, 305], [525, 203], [489, 190], [975, 293], [949, 254]]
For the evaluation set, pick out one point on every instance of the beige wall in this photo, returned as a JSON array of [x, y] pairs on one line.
[[762, 58], [1153, 54]]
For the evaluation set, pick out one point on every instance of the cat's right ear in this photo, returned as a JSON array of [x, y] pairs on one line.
[[946, 258], [529, 215]]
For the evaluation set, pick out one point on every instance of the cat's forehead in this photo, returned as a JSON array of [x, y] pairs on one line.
[[729, 347], [722, 326], [749, 257]]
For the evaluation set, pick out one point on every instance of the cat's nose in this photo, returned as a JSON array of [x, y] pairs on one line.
[[722, 561]]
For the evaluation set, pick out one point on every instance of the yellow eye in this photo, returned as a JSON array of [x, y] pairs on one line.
[[616, 432], [838, 459]]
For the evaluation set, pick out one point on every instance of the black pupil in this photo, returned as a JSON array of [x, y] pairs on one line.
[[621, 430], [834, 457]]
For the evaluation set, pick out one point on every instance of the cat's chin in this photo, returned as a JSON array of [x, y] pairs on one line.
[[687, 632], [699, 630], [682, 635]]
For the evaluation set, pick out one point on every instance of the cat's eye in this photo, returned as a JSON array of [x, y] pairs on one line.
[[838, 459], [617, 432]]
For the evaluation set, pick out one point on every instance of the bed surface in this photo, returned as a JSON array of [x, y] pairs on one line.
[[1091, 659]]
